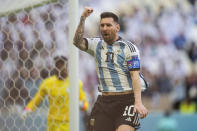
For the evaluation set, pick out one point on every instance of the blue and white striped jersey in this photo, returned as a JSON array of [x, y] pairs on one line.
[[113, 63]]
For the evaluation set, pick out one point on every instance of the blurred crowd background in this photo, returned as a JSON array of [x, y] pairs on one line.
[[165, 31]]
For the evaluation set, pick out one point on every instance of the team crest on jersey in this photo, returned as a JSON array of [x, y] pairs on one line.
[[134, 63], [118, 51]]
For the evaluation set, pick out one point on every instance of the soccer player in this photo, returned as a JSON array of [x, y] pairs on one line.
[[56, 87], [118, 69]]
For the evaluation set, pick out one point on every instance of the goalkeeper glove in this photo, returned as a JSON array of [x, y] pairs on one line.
[[26, 112], [84, 105]]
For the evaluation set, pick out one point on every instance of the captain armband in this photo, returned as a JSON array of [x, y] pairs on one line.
[[134, 63]]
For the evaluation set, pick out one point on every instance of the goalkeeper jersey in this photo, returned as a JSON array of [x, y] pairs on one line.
[[58, 93]]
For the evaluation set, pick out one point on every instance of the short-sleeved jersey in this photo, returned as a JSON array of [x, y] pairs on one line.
[[58, 96], [114, 63]]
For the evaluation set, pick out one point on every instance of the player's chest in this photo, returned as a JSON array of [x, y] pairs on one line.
[[110, 54], [60, 89]]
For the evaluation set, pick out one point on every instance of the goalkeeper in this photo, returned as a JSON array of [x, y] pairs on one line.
[[56, 87]]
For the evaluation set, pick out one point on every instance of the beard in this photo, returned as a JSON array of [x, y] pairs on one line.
[[109, 38]]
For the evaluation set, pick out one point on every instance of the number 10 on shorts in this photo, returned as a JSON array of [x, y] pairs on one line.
[[128, 111]]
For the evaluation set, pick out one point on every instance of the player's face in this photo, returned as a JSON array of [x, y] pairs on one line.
[[109, 30], [62, 69]]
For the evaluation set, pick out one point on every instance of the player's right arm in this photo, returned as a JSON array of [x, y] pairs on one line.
[[78, 40], [38, 98]]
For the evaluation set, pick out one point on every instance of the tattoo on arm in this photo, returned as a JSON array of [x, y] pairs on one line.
[[78, 40]]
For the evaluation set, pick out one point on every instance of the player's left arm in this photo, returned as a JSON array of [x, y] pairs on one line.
[[138, 106], [133, 63], [82, 97]]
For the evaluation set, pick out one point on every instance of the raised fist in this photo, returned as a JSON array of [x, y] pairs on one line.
[[87, 11]]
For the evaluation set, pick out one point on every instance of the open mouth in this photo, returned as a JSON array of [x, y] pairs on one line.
[[105, 35]]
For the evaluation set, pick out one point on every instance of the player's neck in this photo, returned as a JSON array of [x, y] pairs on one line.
[[61, 77], [111, 42]]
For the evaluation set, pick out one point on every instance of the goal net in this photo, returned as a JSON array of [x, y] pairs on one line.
[[32, 34]]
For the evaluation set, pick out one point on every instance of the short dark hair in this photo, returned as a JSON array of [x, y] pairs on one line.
[[63, 58], [111, 15], [60, 59]]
